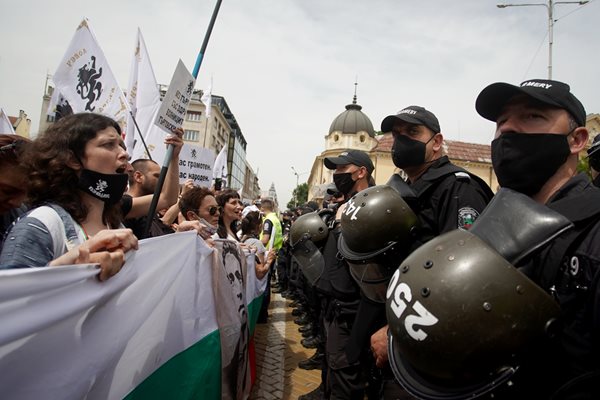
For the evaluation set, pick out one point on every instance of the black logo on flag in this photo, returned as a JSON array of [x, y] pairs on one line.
[[89, 86]]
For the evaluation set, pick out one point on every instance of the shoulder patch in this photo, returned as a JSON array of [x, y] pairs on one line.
[[462, 176], [466, 217]]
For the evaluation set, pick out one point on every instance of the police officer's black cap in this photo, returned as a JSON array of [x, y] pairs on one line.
[[492, 99], [355, 157], [413, 115]]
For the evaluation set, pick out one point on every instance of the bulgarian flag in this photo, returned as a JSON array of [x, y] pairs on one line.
[[154, 330]]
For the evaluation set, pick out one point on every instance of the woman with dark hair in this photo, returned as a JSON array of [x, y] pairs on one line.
[[76, 180], [231, 214], [251, 225], [12, 178], [200, 210]]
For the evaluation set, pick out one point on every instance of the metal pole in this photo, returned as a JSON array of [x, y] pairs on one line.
[[550, 36], [169, 155]]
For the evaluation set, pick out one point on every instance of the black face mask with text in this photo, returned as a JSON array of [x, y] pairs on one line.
[[525, 161], [408, 152], [344, 182], [107, 187]]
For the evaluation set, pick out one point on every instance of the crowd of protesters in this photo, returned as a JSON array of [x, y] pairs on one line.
[[64, 201]]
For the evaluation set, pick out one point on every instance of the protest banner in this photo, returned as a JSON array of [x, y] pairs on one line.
[[149, 332]]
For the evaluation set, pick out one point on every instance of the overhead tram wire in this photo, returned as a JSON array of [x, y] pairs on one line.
[[534, 56]]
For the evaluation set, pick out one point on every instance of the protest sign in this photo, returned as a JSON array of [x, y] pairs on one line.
[[177, 99], [196, 163]]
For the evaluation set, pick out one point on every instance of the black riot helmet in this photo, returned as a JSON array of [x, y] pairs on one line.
[[460, 316], [307, 234], [377, 230]]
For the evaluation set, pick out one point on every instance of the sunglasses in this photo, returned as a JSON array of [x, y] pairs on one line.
[[214, 209]]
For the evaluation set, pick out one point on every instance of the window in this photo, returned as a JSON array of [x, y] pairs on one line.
[[192, 136], [193, 116]]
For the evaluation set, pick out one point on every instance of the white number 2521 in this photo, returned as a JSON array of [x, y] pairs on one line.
[[402, 296]]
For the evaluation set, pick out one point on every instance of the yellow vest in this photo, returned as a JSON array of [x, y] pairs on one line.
[[276, 239]]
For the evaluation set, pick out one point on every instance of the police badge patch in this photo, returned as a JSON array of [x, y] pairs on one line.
[[466, 217]]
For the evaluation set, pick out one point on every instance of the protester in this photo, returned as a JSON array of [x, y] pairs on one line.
[[200, 210], [76, 180], [250, 228], [540, 131], [231, 214], [12, 177]]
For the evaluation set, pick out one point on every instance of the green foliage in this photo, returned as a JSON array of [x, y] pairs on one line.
[[584, 166], [301, 194]]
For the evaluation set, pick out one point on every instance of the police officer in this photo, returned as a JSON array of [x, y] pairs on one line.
[[345, 377], [448, 197], [540, 130]]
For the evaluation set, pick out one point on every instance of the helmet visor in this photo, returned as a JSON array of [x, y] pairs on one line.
[[373, 278], [310, 260]]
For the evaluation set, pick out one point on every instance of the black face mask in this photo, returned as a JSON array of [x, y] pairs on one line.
[[524, 162], [344, 182], [408, 152], [107, 187]]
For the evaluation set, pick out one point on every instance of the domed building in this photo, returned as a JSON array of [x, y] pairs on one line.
[[351, 129]]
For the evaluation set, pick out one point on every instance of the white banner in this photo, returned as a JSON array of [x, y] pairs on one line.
[[196, 163], [66, 335], [85, 79]]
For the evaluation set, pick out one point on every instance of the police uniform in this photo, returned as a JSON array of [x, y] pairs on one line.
[[568, 268], [449, 198]]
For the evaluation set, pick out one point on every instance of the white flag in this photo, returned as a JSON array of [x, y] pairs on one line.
[[143, 97], [207, 100], [220, 167], [59, 106], [5, 124], [85, 79]]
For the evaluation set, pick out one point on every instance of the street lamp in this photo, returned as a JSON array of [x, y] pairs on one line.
[[550, 8], [296, 189]]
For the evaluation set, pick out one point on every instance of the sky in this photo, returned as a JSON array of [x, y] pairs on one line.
[[287, 68]]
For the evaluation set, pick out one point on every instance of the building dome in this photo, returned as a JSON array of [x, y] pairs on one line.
[[353, 120]]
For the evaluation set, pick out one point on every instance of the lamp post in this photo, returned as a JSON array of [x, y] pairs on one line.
[[550, 8], [296, 189]]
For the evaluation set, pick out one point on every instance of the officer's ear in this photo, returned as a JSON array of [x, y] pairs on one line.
[[579, 139], [438, 140], [362, 172]]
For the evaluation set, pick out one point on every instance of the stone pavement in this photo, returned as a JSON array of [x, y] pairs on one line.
[[278, 351]]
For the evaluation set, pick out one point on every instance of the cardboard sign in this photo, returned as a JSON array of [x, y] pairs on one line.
[[177, 99], [196, 163]]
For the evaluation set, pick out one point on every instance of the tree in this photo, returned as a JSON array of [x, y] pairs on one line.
[[299, 196]]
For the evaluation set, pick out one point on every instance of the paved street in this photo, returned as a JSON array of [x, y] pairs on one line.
[[278, 351]]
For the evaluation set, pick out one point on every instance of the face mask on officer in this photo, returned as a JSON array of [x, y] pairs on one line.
[[408, 152], [344, 182], [525, 161]]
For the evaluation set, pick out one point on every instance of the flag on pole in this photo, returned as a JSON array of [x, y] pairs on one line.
[[207, 100], [5, 125], [59, 106], [85, 79], [143, 97], [220, 168]]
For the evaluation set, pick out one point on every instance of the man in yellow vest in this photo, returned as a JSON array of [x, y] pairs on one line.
[[272, 238], [271, 235]]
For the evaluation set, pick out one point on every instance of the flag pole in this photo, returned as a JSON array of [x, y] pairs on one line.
[[141, 136], [169, 155]]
